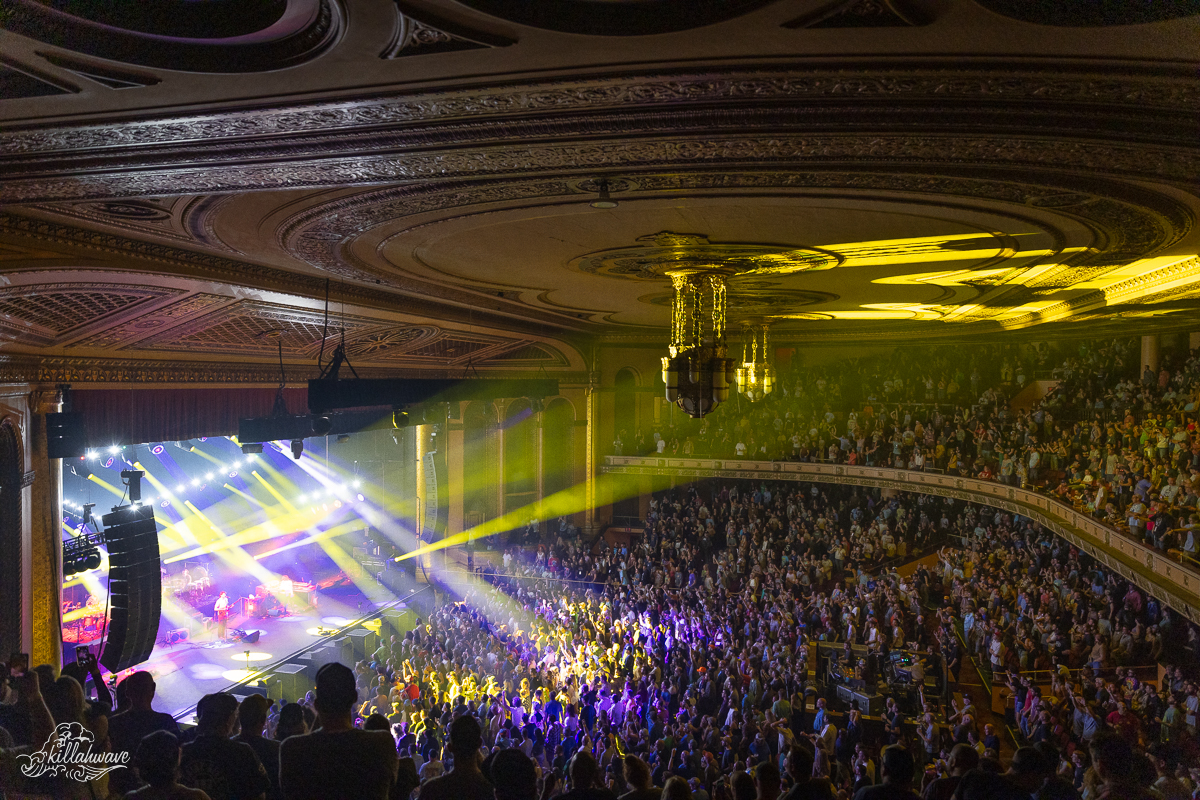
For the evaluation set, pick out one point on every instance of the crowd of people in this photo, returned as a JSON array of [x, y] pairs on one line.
[[1122, 447], [691, 659]]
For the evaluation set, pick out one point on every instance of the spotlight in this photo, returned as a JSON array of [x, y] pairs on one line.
[[157, 450], [321, 425], [250, 449], [195, 481], [92, 455], [343, 438], [180, 488], [400, 418], [297, 448], [357, 484], [603, 200], [360, 497], [208, 477], [302, 498], [112, 451]]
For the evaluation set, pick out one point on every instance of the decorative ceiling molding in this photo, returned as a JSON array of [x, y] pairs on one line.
[[159, 258], [23, 369], [1136, 221], [420, 33], [951, 84], [523, 156]]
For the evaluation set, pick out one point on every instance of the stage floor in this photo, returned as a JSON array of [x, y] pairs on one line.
[[187, 671]]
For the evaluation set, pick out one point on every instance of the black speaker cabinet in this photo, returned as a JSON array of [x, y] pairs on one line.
[[134, 585], [66, 436]]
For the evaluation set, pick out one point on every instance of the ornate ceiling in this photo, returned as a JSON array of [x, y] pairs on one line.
[[183, 188]]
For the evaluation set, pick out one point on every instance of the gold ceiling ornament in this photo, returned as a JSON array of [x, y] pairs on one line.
[[756, 375], [662, 254], [697, 372]]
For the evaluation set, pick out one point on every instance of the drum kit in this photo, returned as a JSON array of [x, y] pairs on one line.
[[193, 586], [86, 626]]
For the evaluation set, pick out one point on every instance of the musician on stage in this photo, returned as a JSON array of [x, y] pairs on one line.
[[286, 592], [221, 611]]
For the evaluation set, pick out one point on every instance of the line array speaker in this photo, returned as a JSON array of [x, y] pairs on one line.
[[134, 585], [66, 435]]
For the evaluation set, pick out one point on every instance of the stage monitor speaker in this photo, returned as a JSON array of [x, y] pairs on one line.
[[870, 705], [66, 435], [289, 683], [134, 585]]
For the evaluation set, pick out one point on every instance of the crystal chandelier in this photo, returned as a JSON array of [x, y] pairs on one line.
[[756, 375], [697, 372]]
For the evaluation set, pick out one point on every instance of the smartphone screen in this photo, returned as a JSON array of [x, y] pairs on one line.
[[82, 653]]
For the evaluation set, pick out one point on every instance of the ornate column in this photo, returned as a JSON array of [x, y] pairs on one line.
[[589, 476], [454, 473], [45, 506], [1149, 355], [539, 457]]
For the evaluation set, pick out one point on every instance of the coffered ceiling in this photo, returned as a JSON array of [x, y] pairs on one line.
[[183, 188]]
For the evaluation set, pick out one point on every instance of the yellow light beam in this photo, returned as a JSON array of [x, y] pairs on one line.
[[274, 493], [567, 501]]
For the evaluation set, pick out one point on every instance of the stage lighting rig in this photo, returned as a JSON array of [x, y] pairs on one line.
[[133, 480], [253, 447], [297, 448], [82, 552]]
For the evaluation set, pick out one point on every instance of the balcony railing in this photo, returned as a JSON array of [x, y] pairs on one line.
[[1176, 584]]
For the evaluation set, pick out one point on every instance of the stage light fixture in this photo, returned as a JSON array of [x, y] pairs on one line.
[[401, 419], [180, 488], [208, 476], [251, 448], [343, 438], [603, 199], [321, 425], [297, 448], [112, 451], [357, 484], [92, 455], [195, 481]]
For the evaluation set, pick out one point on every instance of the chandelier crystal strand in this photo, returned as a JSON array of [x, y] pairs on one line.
[[756, 376]]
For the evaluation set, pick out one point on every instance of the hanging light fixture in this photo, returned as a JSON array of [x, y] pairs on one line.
[[756, 375], [697, 372], [603, 198]]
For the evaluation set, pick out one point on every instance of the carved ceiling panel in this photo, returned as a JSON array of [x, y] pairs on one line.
[[254, 327], [183, 220], [128, 334], [45, 314]]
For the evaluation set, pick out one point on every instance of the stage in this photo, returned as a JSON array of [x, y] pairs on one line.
[[187, 671]]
